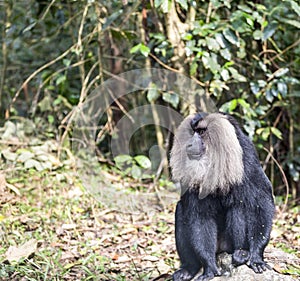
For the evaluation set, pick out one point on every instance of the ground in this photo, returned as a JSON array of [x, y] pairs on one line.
[[53, 228]]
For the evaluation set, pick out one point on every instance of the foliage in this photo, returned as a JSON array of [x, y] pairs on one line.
[[245, 55], [133, 166]]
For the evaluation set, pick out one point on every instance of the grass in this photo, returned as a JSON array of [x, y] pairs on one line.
[[81, 238], [77, 237]]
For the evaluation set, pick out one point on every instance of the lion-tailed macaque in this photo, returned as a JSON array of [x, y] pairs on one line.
[[226, 203]]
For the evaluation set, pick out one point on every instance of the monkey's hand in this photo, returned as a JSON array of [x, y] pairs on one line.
[[258, 265], [240, 257]]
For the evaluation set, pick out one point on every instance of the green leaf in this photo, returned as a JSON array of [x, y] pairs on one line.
[[212, 44], [254, 88], [245, 8], [276, 132], [157, 3], [193, 68], [124, 158], [143, 161], [60, 79], [225, 53], [51, 119], [67, 62], [229, 106], [136, 172], [281, 72], [263, 132], [243, 103], [241, 52], [232, 105], [269, 96], [291, 22], [231, 37], [257, 35], [135, 48], [144, 50], [263, 66], [295, 7], [45, 104], [171, 98], [282, 88], [261, 109], [112, 18], [236, 75], [210, 62], [220, 39], [187, 36], [183, 4], [163, 4], [29, 27], [159, 36], [45, 74], [225, 74], [269, 30], [293, 172], [153, 93]]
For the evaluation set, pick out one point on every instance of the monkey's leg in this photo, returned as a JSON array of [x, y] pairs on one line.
[[190, 264], [236, 231], [260, 224], [204, 242]]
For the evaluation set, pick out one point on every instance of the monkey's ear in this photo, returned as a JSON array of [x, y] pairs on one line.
[[198, 116]]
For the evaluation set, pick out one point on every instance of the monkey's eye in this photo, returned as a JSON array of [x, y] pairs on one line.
[[200, 131]]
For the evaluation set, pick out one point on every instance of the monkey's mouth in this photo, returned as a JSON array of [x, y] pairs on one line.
[[194, 151], [194, 156]]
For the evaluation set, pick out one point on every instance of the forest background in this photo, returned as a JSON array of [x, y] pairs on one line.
[[244, 57]]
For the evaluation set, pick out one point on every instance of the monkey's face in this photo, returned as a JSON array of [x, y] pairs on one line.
[[206, 153], [195, 147]]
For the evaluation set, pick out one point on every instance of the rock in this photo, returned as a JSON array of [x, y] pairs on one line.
[[245, 273]]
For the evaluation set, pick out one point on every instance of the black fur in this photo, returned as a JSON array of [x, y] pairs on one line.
[[238, 222]]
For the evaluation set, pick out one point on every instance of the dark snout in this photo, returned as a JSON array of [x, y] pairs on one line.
[[195, 147]]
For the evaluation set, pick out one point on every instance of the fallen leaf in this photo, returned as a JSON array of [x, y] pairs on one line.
[[69, 226], [16, 253], [122, 259], [8, 155], [278, 268], [68, 255], [24, 156], [10, 130], [150, 258], [2, 182], [13, 188], [128, 230], [32, 163]]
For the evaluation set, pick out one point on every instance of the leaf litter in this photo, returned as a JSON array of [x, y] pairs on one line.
[[54, 229]]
